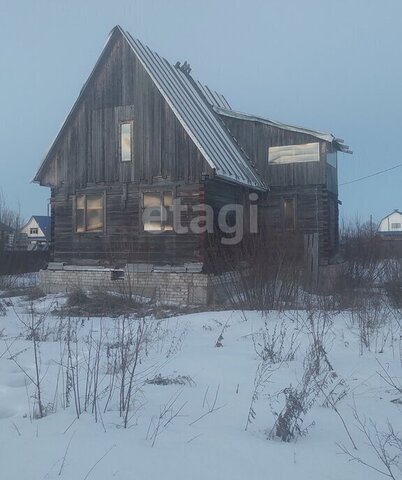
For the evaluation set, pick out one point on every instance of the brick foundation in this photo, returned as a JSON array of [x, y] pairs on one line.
[[180, 285]]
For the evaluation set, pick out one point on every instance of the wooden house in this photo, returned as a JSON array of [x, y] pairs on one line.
[[143, 133]]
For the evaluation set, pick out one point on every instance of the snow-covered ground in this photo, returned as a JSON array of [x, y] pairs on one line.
[[202, 434]]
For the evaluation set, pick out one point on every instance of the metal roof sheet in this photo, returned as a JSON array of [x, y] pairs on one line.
[[198, 118], [327, 137], [214, 98], [44, 223]]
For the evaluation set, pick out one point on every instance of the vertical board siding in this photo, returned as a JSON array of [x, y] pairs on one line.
[[314, 185], [87, 159], [88, 152]]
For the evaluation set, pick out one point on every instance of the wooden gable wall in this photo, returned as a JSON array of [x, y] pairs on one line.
[[87, 151], [86, 159]]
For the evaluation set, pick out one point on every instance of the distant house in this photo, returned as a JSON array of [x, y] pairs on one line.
[[35, 234], [391, 225], [6, 234]]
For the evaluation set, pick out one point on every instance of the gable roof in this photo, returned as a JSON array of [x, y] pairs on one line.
[[327, 137], [198, 110], [44, 223], [192, 105], [387, 216]]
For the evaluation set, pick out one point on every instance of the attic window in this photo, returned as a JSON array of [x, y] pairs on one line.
[[308, 152], [395, 226], [33, 231], [126, 140], [89, 213], [157, 215]]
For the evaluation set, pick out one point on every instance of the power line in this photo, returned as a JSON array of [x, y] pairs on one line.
[[372, 175]]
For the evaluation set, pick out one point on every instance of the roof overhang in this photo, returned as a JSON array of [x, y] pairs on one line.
[[338, 143]]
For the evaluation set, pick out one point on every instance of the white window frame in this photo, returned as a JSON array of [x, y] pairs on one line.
[[302, 153], [123, 157]]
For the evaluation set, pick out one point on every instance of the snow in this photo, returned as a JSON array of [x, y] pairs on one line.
[[195, 444]]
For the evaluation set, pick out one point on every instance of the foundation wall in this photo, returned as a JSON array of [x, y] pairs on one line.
[[179, 287]]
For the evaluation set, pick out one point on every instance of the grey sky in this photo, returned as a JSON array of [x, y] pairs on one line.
[[332, 65]]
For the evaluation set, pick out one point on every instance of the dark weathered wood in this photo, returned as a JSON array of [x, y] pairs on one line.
[[88, 150], [313, 185], [86, 159], [123, 239]]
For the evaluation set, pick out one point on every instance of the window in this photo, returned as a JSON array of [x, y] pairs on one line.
[[395, 226], [33, 231], [309, 152], [157, 215], [126, 141], [89, 213], [289, 214]]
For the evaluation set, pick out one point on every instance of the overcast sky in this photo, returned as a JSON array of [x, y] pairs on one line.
[[330, 65]]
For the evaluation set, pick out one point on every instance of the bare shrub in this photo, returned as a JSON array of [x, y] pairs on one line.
[[262, 375], [10, 217], [167, 413], [370, 317], [392, 382], [393, 282], [275, 345], [262, 273], [385, 447], [77, 297], [210, 407], [362, 266], [34, 324], [317, 375], [176, 341], [362, 254]]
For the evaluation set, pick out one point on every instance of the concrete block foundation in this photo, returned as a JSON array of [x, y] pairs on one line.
[[185, 285]]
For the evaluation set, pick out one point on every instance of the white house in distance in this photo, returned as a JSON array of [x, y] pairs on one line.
[[36, 233], [391, 224]]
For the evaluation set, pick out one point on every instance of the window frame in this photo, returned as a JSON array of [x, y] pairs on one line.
[[121, 123], [293, 199], [31, 232], [161, 193], [291, 159], [85, 197]]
